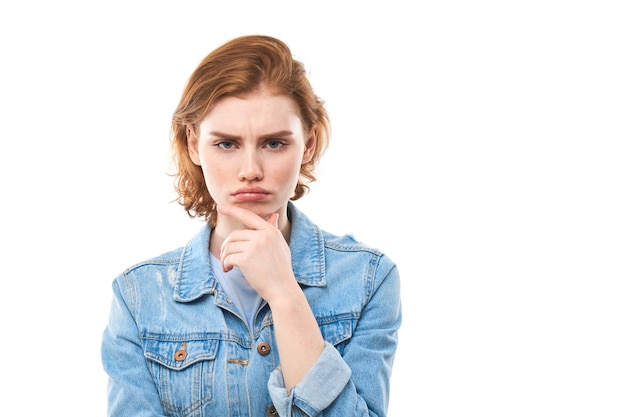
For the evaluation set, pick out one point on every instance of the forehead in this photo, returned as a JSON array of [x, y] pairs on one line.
[[261, 110]]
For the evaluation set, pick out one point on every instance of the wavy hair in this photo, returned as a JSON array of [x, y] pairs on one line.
[[237, 68]]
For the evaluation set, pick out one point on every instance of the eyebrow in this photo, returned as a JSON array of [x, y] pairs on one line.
[[279, 134]]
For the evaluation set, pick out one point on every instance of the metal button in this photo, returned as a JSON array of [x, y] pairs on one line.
[[181, 353], [263, 348], [271, 411]]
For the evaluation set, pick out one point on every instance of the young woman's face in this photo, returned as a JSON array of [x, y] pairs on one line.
[[250, 150]]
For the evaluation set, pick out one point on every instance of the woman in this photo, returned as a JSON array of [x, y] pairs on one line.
[[261, 313]]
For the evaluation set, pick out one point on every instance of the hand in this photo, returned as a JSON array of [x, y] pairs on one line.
[[260, 252]]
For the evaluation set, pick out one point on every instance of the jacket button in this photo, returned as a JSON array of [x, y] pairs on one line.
[[263, 348], [271, 411], [181, 354]]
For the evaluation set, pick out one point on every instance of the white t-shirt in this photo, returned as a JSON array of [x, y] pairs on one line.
[[244, 298]]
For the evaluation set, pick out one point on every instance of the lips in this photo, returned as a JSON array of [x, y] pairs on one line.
[[250, 194]]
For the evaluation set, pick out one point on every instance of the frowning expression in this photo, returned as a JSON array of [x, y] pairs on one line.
[[250, 149]]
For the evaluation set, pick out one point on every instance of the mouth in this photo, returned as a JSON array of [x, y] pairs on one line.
[[250, 194]]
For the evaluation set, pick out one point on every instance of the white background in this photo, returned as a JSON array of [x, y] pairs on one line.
[[480, 144]]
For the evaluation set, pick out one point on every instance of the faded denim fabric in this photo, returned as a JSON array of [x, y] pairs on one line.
[[174, 346]]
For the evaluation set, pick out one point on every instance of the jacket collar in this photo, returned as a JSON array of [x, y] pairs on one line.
[[195, 277]]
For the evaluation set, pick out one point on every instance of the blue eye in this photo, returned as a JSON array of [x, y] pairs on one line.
[[225, 144], [275, 144]]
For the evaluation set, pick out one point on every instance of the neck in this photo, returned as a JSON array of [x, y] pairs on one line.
[[224, 227]]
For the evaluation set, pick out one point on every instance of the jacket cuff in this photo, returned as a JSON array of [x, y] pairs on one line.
[[317, 390]]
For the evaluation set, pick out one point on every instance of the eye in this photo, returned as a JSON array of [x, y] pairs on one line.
[[275, 144], [225, 144]]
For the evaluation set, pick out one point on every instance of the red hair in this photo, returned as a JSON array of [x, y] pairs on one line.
[[237, 68]]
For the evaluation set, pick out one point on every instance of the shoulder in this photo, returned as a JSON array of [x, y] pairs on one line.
[[165, 259], [196, 249], [308, 238], [348, 243], [348, 247], [149, 274]]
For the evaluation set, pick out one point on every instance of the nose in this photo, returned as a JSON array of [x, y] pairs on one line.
[[251, 169]]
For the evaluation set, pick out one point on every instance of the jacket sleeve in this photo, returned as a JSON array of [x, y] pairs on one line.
[[131, 390], [357, 381]]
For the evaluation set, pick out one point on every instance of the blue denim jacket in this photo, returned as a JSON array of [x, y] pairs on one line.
[[174, 346]]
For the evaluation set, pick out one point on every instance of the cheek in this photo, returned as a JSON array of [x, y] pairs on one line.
[[291, 174], [214, 174], [286, 168]]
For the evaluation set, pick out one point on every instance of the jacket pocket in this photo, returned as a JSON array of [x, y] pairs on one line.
[[183, 371], [337, 330]]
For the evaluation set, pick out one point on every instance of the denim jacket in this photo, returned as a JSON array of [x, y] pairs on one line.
[[174, 346]]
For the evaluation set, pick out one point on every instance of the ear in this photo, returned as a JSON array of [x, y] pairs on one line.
[[309, 148], [192, 145]]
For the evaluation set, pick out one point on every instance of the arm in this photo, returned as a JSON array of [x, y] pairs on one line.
[[263, 256], [314, 376], [298, 336], [131, 388], [357, 381]]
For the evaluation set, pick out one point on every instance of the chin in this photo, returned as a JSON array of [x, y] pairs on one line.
[[259, 208]]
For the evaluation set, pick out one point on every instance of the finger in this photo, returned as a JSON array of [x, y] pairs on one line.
[[248, 218], [226, 266], [227, 259], [231, 245], [234, 248]]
